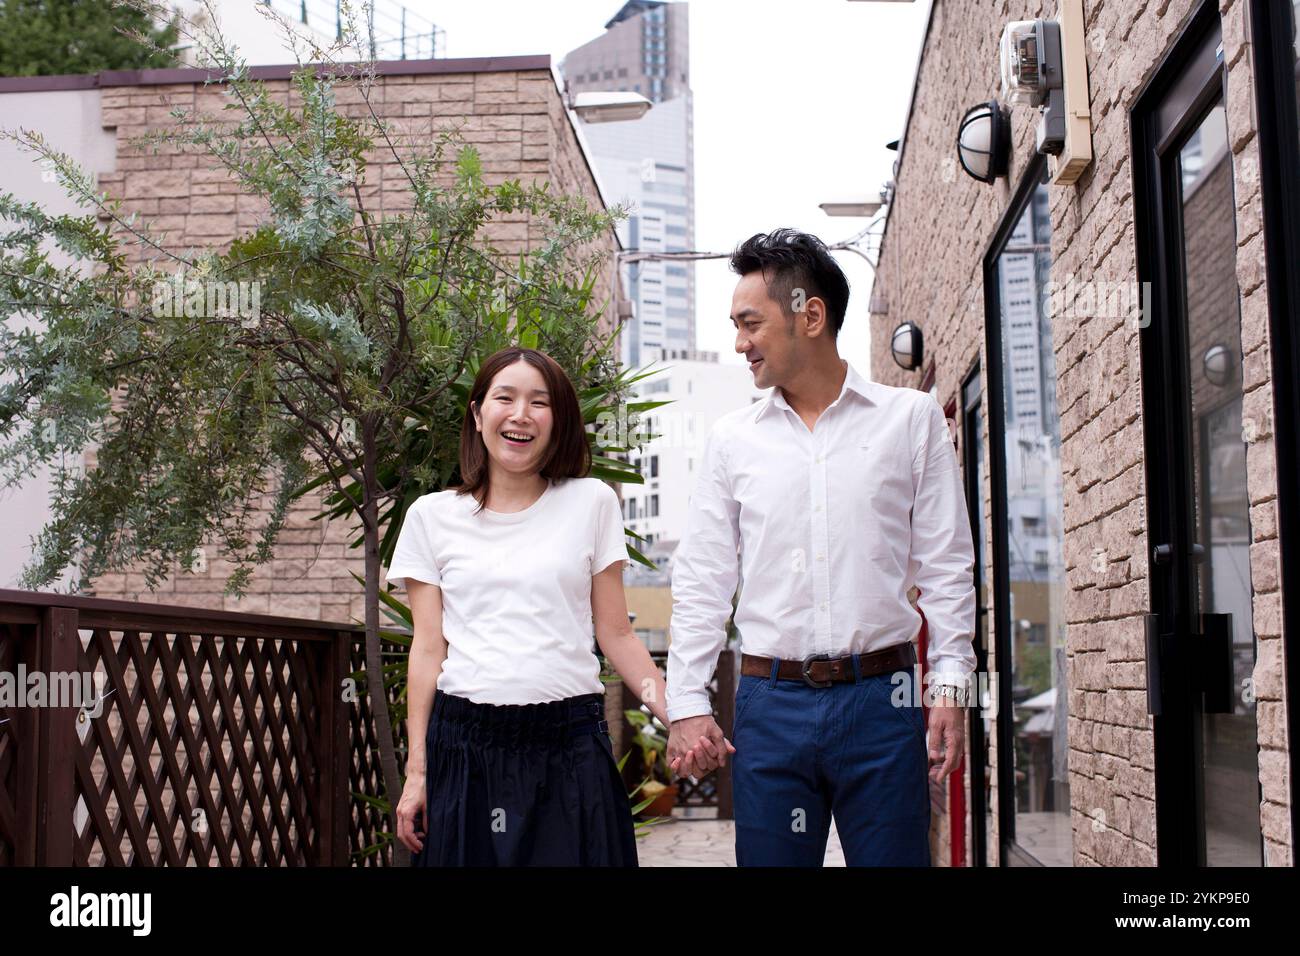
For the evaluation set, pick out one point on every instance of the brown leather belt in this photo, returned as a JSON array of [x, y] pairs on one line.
[[822, 670]]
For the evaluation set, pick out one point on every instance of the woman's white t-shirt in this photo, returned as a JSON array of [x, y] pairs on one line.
[[516, 588]]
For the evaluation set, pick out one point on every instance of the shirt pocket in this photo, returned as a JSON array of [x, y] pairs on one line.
[[884, 462], [872, 468], [883, 506]]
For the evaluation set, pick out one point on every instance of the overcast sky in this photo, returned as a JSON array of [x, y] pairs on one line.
[[794, 103]]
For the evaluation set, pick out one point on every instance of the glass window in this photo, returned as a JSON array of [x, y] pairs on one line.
[[1229, 741], [1032, 540]]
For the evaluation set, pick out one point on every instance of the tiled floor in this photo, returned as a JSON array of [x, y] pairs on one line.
[[683, 841]]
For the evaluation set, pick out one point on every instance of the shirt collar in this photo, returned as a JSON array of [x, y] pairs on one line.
[[852, 382]]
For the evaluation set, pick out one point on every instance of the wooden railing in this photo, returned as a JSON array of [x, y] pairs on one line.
[[222, 738]]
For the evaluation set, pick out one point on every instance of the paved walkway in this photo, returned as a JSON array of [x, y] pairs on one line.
[[685, 841]]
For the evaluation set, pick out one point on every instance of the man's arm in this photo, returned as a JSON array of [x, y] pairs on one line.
[[703, 581], [942, 553]]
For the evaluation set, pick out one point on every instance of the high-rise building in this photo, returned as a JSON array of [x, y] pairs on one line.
[[649, 164]]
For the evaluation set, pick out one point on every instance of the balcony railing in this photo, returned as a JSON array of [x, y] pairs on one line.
[[217, 739], [210, 738]]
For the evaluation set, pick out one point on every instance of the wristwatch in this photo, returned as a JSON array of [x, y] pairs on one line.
[[951, 690]]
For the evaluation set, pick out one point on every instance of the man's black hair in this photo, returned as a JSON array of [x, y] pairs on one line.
[[792, 260]]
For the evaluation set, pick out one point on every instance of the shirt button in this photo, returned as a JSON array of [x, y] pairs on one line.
[[821, 557], [817, 508], [819, 459], [823, 606]]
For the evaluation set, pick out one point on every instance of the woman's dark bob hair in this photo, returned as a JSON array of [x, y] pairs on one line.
[[567, 456]]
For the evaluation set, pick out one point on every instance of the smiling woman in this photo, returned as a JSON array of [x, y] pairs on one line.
[[507, 575]]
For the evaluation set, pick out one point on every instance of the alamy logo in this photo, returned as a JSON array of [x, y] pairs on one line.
[[180, 297], [102, 909], [55, 689]]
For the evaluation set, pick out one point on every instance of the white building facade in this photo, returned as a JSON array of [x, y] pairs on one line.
[[701, 390]]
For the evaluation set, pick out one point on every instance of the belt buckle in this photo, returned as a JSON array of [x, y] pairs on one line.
[[807, 667]]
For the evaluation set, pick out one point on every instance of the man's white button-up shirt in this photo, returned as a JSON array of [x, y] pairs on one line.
[[826, 530]]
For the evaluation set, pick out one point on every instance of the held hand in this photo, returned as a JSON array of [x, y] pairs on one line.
[[696, 746], [705, 757], [410, 812], [946, 737]]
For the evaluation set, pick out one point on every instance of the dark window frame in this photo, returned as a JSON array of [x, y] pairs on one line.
[[971, 410], [1278, 136]]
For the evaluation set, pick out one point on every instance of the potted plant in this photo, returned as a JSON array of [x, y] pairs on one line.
[[652, 740]]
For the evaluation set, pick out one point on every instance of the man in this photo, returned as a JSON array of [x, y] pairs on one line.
[[839, 494]]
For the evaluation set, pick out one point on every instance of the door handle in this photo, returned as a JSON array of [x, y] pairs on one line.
[[1207, 654], [1162, 553], [1214, 663]]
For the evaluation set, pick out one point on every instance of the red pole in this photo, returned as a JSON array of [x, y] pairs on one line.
[[957, 779]]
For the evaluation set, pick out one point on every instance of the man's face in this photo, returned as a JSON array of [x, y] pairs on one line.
[[764, 333]]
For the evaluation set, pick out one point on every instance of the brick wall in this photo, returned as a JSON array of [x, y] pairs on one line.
[[931, 272]]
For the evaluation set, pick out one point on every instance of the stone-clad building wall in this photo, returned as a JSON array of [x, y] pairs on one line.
[[930, 272]]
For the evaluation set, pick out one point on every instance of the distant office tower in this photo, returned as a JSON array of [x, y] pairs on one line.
[[648, 162]]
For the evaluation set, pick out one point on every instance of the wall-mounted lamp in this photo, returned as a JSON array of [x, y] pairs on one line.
[[1044, 64], [984, 142], [862, 209], [906, 346], [609, 107]]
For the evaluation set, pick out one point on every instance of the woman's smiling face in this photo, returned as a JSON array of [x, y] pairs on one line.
[[516, 404]]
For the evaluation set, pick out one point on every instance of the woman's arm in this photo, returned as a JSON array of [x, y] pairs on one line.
[[428, 651], [619, 643]]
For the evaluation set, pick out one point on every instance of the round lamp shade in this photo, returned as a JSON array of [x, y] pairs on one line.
[[906, 346], [984, 142]]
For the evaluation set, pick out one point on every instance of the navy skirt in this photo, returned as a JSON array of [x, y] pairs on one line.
[[523, 785]]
